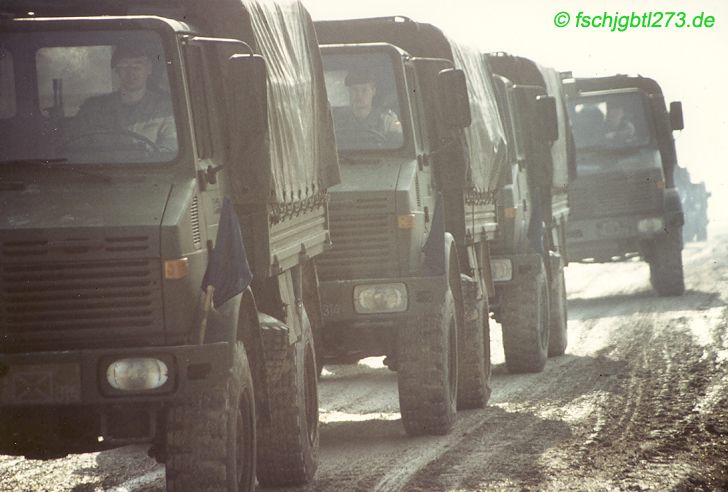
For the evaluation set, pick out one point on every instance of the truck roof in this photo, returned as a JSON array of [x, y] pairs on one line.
[[620, 81]]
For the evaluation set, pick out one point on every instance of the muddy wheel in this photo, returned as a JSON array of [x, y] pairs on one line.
[[666, 267], [474, 348], [525, 321], [427, 375], [558, 337], [211, 439], [288, 442]]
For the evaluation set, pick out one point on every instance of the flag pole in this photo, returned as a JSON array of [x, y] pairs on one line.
[[207, 304]]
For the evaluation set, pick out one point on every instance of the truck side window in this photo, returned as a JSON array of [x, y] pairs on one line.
[[7, 85]]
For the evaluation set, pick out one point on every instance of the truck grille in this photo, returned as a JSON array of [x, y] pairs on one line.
[[363, 235], [79, 300], [52, 249], [609, 196]]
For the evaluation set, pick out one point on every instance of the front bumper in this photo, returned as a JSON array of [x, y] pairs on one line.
[[78, 377], [605, 238], [521, 266], [424, 295]]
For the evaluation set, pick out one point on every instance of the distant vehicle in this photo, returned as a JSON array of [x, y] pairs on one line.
[[624, 201], [694, 198]]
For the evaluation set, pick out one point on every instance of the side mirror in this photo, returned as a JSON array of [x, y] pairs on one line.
[[676, 116], [248, 90], [453, 100], [548, 120]]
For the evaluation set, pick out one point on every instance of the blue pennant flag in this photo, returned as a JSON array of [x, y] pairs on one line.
[[434, 247], [227, 271]]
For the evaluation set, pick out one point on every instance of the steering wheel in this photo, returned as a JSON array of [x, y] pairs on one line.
[[149, 145], [377, 135], [359, 138]]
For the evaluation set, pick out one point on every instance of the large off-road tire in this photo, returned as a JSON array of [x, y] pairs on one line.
[[288, 443], [427, 375], [525, 321], [474, 367], [666, 266], [211, 438], [558, 314]]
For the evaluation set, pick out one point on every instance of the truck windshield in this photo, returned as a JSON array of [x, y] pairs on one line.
[[362, 91], [610, 122], [93, 97]]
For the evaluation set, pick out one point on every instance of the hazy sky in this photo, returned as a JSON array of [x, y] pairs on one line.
[[691, 64]]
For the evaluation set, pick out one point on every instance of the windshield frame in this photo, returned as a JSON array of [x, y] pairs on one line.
[[650, 142], [167, 32], [397, 58]]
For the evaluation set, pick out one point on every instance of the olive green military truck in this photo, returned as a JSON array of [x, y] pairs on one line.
[[530, 249], [164, 168], [624, 202], [421, 149]]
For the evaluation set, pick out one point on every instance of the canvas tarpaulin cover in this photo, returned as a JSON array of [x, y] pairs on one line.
[[485, 135], [302, 152]]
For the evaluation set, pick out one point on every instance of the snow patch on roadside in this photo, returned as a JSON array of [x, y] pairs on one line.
[[578, 410], [334, 416]]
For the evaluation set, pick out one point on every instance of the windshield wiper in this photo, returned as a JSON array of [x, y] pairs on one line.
[[52, 164]]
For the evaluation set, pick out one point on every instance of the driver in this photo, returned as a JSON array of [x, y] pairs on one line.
[[618, 128], [137, 106], [363, 116]]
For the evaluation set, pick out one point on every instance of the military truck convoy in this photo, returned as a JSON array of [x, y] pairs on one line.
[[422, 211], [127, 309], [624, 202], [181, 253]]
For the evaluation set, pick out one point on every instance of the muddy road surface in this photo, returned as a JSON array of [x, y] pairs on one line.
[[639, 402]]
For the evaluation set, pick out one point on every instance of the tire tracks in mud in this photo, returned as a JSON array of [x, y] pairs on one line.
[[654, 415], [651, 426]]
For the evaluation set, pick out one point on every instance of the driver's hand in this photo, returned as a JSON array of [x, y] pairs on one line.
[[390, 123]]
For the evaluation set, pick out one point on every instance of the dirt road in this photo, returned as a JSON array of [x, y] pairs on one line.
[[639, 402]]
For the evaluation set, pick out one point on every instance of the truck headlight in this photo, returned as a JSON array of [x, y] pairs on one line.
[[137, 374], [652, 225], [502, 269], [380, 298]]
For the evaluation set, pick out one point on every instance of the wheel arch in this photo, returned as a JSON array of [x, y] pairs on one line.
[[248, 331]]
